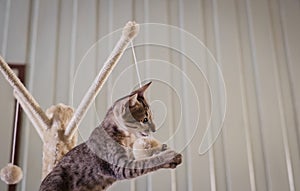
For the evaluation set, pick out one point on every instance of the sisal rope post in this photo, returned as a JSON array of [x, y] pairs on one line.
[[130, 30], [31, 103], [55, 144], [30, 114]]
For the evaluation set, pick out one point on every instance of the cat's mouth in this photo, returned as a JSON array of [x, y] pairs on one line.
[[144, 134]]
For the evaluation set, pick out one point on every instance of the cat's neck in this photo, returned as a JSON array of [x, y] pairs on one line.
[[115, 131]]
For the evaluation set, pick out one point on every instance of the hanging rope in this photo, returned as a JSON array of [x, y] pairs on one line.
[[136, 65], [15, 133], [12, 174]]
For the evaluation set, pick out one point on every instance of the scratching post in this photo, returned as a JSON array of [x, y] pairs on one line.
[[33, 106], [58, 126], [129, 32], [30, 113], [56, 145]]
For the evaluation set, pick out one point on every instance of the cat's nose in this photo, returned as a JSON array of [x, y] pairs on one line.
[[152, 127]]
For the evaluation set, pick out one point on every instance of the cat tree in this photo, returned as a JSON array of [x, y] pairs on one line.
[[57, 127]]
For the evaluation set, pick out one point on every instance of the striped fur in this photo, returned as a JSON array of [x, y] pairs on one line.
[[106, 156]]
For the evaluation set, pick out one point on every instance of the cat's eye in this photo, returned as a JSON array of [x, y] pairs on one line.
[[145, 120]]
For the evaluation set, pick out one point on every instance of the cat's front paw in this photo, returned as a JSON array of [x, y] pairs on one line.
[[172, 159], [177, 160], [164, 147]]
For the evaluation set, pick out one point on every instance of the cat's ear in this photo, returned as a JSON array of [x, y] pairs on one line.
[[142, 89], [133, 99]]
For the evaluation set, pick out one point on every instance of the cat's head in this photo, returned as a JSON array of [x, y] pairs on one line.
[[133, 112]]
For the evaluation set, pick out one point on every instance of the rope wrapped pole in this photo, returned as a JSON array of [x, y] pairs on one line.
[[18, 87], [30, 114], [130, 30]]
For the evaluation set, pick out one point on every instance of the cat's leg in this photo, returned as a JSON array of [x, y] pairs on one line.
[[135, 168], [55, 181]]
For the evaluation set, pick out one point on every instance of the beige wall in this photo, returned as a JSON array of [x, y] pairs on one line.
[[255, 42]]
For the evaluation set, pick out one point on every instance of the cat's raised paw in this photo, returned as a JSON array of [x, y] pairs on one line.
[[174, 161], [164, 147]]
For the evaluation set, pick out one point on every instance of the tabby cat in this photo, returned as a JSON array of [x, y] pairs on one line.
[[106, 156]]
